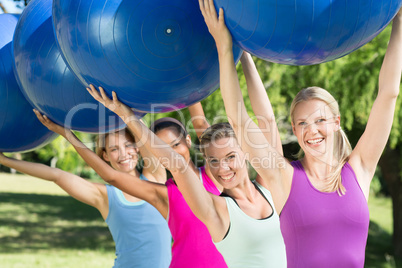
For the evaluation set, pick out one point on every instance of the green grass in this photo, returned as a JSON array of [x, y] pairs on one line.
[[41, 226], [379, 251]]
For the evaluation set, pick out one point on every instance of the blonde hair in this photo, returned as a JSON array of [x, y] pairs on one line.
[[215, 132], [342, 147], [101, 140]]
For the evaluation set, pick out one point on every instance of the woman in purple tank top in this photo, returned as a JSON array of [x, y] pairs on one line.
[[322, 197]]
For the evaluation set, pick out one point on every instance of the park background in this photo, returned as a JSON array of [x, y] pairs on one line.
[[40, 226]]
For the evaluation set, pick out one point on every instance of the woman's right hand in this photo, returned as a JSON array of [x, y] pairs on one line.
[[50, 124], [216, 25]]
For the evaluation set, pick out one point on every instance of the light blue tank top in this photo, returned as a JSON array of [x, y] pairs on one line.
[[250, 242], [140, 232]]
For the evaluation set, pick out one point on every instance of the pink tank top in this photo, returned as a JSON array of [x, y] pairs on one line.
[[192, 243], [325, 229]]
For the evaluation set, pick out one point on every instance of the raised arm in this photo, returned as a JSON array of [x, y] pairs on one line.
[[153, 193], [252, 140], [200, 124], [368, 150], [260, 103], [152, 169], [198, 118], [199, 200], [93, 194]]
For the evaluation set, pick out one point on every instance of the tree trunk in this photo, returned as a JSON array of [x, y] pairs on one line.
[[391, 171], [17, 156], [3, 8], [53, 162]]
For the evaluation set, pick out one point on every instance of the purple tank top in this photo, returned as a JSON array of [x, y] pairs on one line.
[[325, 229], [192, 243]]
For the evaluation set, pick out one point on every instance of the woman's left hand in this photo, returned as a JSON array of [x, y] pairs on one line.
[[50, 124], [119, 108]]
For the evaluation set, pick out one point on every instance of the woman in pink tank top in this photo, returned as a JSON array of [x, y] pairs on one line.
[[228, 165], [247, 231], [192, 243], [323, 196]]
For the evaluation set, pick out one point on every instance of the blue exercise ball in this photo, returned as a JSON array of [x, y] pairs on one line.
[[20, 130], [305, 32], [47, 82], [157, 55]]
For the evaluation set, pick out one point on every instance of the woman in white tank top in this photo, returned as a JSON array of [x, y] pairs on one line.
[[244, 225]]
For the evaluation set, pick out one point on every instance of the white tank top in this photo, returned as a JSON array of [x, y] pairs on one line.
[[250, 242]]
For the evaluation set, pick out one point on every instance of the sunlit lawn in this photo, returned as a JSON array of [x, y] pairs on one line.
[[379, 251], [40, 226]]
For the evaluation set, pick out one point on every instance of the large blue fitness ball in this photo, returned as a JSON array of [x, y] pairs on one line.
[[20, 130], [157, 55], [45, 79], [305, 32]]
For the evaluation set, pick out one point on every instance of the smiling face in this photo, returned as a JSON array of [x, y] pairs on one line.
[[178, 142], [314, 126], [226, 161], [121, 152]]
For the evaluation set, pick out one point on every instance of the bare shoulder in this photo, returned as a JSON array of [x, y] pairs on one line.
[[102, 188], [219, 201], [219, 223], [363, 175], [357, 165], [220, 211]]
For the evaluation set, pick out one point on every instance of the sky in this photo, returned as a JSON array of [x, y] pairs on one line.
[[12, 6]]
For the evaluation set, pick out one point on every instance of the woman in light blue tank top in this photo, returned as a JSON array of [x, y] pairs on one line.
[[141, 234]]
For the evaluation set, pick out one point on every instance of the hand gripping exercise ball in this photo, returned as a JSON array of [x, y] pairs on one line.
[[20, 130], [45, 79], [157, 55], [305, 32]]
